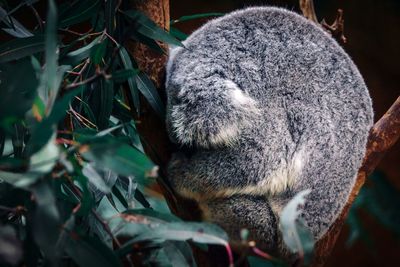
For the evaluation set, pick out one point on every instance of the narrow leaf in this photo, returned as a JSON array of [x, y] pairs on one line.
[[149, 28], [147, 88], [98, 52], [126, 61], [120, 76], [80, 11], [109, 154], [19, 48], [196, 16], [89, 251], [296, 236]]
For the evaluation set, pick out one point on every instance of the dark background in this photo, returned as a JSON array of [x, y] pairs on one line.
[[372, 28]]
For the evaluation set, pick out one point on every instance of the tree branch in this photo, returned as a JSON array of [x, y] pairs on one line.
[[336, 29]]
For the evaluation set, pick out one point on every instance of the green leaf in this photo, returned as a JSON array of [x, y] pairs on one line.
[[16, 94], [149, 28], [82, 53], [296, 236], [153, 215], [78, 12], [89, 251], [120, 76], [42, 131], [64, 236], [15, 29], [19, 48], [178, 34], [109, 16], [51, 78], [46, 221], [106, 98], [98, 52], [95, 178], [137, 36], [126, 61], [123, 159], [382, 201], [183, 231], [147, 88], [41, 163], [179, 253], [258, 262], [119, 196], [196, 16]]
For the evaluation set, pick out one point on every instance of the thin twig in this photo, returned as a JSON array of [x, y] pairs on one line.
[[38, 18], [336, 29], [88, 80]]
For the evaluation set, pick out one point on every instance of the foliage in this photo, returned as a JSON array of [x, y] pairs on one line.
[[380, 200], [296, 235], [75, 181]]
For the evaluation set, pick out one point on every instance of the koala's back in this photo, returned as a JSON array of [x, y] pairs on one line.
[[301, 116]]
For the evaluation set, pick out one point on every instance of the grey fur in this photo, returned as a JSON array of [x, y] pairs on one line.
[[271, 105]]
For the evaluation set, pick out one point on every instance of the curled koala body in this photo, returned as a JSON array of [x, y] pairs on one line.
[[270, 105]]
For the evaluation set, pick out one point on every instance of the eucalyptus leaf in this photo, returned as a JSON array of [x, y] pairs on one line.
[[16, 94], [178, 34], [109, 154], [89, 251], [147, 88], [15, 29], [41, 132], [137, 36], [120, 76], [296, 236], [51, 79], [95, 178], [153, 215], [126, 61], [179, 253], [106, 98], [183, 231], [196, 16], [149, 28], [78, 12], [47, 224], [41, 163], [98, 52], [76, 56], [22, 47], [109, 16]]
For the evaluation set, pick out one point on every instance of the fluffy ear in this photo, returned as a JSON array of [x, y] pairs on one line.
[[210, 112]]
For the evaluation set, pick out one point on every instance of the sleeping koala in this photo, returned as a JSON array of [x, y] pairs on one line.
[[270, 105]]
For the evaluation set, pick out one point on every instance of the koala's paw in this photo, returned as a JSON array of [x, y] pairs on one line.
[[214, 120]]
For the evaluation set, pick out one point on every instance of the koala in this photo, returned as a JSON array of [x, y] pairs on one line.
[[268, 104]]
